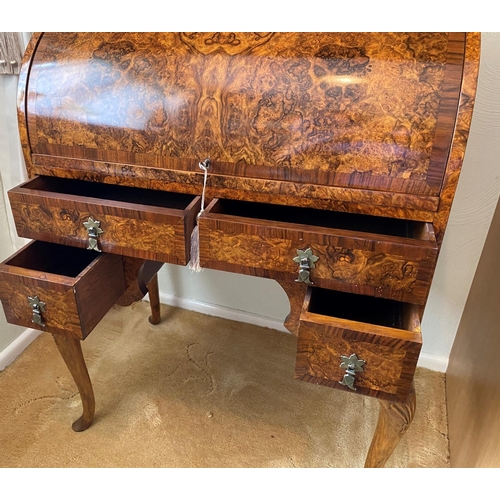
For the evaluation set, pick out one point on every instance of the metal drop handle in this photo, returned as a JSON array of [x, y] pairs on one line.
[[94, 230], [38, 307], [352, 365], [305, 259]]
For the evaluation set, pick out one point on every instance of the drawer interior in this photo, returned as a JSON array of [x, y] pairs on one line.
[[354, 307], [114, 192], [322, 218], [52, 258]]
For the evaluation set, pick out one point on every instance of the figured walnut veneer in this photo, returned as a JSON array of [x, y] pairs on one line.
[[130, 226], [312, 108], [75, 303], [390, 351], [351, 260]]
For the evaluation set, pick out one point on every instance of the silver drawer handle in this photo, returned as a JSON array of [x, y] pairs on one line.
[[38, 307], [94, 230], [305, 259], [352, 365]]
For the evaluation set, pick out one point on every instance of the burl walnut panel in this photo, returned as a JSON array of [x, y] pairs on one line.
[[391, 355], [61, 314], [135, 230], [312, 108], [380, 265], [74, 304]]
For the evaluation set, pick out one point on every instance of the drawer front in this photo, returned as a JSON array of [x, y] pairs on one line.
[[383, 359], [127, 228], [368, 263], [35, 295]]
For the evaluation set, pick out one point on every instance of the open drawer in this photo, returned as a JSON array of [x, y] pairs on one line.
[[364, 254], [60, 289], [358, 343], [143, 223]]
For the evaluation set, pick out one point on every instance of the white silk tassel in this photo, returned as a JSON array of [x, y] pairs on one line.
[[194, 263]]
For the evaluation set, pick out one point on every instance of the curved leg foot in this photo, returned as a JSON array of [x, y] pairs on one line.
[[296, 293], [71, 352], [154, 300], [393, 421]]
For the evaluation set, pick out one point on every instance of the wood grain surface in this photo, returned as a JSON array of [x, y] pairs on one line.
[[22, 96], [324, 90], [61, 314], [154, 300], [99, 287], [131, 228], [461, 134], [362, 262], [391, 353], [71, 352], [393, 422], [74, 304], [386, 204], [296, 293], [137, 273]]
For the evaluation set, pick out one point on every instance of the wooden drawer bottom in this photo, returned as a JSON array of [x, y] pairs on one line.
[[358, 343]]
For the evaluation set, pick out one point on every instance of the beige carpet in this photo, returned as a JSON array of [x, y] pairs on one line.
[[197, 391]]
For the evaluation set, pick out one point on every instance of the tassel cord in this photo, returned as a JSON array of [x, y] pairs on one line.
[[204, 167], [194, 263]]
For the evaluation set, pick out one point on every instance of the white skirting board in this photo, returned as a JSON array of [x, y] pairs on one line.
[[429, 361], [10, 353]]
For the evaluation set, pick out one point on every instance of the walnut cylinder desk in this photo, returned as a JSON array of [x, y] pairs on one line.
[[325, 161]]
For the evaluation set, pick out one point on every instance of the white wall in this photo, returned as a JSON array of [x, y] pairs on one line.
[[258, 298], [11, 173]]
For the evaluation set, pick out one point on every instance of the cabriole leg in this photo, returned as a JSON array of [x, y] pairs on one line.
[[71, 352], [393, 421], [154, 300]]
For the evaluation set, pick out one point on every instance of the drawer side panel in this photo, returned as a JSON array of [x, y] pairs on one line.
[[98, 290]]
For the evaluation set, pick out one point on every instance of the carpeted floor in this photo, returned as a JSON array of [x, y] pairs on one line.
[[197, 391]]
